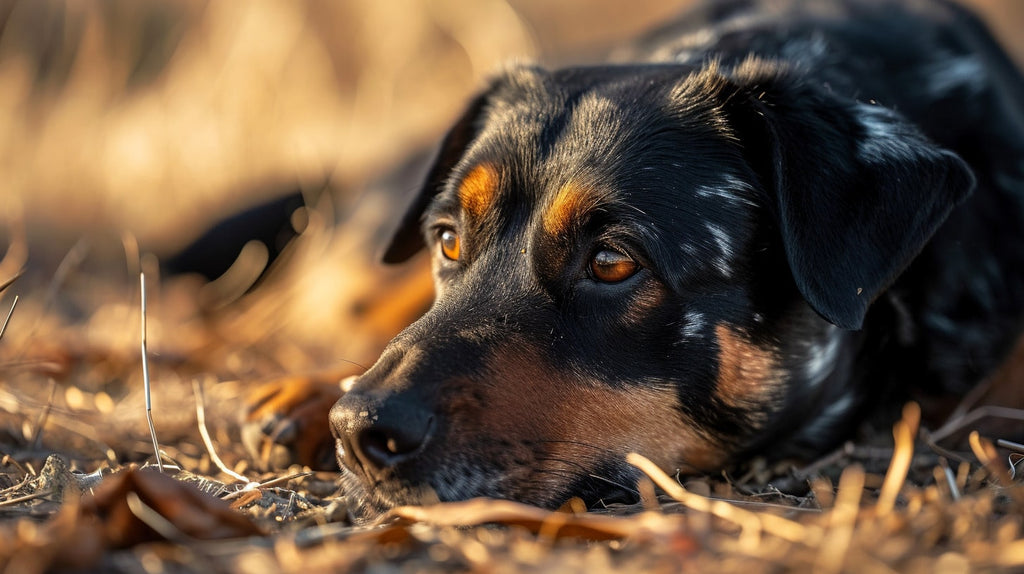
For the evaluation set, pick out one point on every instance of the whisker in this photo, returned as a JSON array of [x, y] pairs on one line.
[[567, 462], [629, 489], [577, 443]]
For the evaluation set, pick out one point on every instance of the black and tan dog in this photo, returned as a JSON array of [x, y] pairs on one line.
[[772, 220]]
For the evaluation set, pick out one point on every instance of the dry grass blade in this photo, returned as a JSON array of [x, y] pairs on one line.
[[842, 520], [251, 486], [9, 282], [751, 523], [197, 389], [3, 328], [145, 375], [903, 433], [986, 453], [546, 523]]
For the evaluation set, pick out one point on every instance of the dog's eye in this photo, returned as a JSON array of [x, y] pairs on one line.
[[450, 245], [609, 266]]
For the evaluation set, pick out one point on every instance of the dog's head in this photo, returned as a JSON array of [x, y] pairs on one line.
[[654, 259]]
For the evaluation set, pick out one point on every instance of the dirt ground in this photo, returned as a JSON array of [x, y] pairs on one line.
[[129, 127]]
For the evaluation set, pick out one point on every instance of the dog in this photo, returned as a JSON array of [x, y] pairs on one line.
[[742, 236]]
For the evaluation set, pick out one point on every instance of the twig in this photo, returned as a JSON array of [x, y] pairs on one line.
[[19, 486], [959, 423], [283, 479], [9, 313], [274, 481], [145, 375], [197, 388], [1009, 444], [27, 497], [831, 458]]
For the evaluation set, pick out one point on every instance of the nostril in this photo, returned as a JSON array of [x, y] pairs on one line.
[[385, 445]]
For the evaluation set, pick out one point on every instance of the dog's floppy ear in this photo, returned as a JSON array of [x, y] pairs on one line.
[[856, 189], [407, 238]]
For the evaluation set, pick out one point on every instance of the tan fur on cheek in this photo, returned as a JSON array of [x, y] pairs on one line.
[[478, 189], [749, 376], [587, 421], [643, 420]]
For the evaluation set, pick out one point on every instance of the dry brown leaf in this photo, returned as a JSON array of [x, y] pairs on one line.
[[554, 525], [190, 512]]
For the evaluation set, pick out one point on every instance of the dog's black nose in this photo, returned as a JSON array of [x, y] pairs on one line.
[[378, 434]]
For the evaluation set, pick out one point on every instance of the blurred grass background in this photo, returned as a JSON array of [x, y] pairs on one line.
[[154, 119], [160, 116]]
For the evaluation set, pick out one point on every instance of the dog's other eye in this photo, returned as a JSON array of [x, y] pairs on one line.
[[610, 266], [450, 245]]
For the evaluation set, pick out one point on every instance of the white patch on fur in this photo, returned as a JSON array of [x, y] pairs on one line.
[[690, 250], [731, 190], [821, 359], [723, 242], [693, 325], [947, 75], [884, 135]]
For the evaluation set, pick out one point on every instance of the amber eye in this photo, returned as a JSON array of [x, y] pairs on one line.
[[609, 266], [450, 245]]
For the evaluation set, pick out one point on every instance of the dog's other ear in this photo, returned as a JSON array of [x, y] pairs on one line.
[[856, 189], [407, 238]]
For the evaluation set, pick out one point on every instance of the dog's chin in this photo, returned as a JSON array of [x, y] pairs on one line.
[[368, 503]]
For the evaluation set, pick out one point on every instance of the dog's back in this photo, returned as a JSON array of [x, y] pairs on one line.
[[958, 308]]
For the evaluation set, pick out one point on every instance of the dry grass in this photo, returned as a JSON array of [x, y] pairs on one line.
[[129, 126]]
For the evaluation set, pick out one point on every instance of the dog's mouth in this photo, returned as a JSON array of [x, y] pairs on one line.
[[459, 478]]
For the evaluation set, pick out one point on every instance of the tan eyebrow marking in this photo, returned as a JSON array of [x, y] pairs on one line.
[[570, 204], [478, 189]]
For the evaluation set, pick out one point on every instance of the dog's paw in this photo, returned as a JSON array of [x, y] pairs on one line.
[[285, 422]]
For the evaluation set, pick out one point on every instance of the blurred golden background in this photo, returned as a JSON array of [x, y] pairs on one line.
[[159, 116], [154, 119]]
